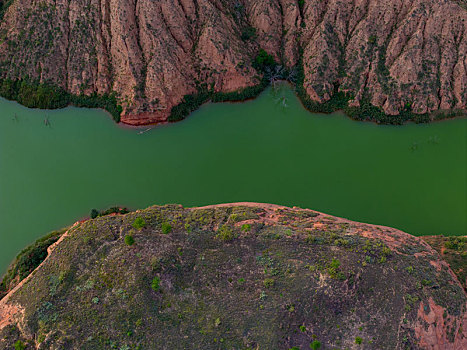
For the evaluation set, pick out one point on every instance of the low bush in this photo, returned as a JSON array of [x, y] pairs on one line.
[[129, 240], [315, 345], [19, 345], [94, 213], [155, 284], [166, 228], [139, 223], [225, 233], [246, 227], [263, 60], [268, 282], [249, 33]]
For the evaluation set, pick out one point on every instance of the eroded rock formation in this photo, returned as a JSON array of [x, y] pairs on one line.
[[396, 53]]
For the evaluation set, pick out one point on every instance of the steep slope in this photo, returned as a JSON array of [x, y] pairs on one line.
[[236, 276], [399, 55]]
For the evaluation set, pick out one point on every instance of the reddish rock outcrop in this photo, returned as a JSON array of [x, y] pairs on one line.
[[396, 53]]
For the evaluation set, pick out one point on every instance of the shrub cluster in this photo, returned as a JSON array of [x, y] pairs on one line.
[[166, 228], [367, 111], [113, 210], [192, 102], [139, 223], [263, 60], [27, 260], [46, 95], [129, 240]]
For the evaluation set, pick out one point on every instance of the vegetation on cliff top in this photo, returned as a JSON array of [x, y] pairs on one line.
[[454, 251], [26, 261], [283, 278]]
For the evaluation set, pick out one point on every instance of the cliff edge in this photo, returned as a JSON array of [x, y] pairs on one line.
[[235, 276]]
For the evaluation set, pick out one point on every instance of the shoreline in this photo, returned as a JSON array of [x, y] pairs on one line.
[[459, 115], [243, 95]]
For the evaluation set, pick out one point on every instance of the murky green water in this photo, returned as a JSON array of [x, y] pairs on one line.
[[411, 177]]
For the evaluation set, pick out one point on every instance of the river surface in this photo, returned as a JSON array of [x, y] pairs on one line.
[[271, 149]]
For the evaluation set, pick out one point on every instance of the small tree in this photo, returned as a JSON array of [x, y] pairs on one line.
[[94, 213], [139, 223], [129, 240], [263, 60]]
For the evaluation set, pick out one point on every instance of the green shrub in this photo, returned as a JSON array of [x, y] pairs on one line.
[[268, 282], [155, 284], [315, 345], [47, 95], [246, 227], [189, 104], [114, 210], [166, 228], [19, 345], [263, 60], [249, 33], [456, 243], [225, 233], [94, 213], [333, 270], [129, 240], [301, 4], [358, 340], [139, 223]]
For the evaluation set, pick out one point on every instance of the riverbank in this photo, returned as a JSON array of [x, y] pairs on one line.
[[49, 96]]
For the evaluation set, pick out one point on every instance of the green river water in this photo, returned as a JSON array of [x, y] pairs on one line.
[[411, 177]]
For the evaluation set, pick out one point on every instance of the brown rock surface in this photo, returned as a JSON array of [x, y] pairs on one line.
[[152, 53]]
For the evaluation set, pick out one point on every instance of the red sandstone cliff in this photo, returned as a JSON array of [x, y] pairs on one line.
[[152, 53]]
